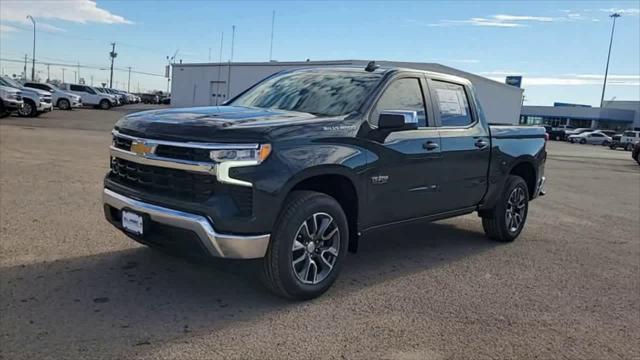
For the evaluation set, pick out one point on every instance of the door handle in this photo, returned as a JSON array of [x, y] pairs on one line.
[[481, 144], [430, 145]]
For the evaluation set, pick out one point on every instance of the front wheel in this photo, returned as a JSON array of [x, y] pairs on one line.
[[583, 141], [571, 140], [28, 109], [505, 222], [308, 246], [629, 147], [63, 104], [605, 143]]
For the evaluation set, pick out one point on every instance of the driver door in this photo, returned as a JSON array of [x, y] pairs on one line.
[[403, 181]]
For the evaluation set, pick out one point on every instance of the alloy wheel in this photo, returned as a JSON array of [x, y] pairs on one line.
[[516, 206], [315, 248], [26, 109]]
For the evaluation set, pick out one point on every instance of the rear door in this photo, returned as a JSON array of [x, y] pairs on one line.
[[465, 144], [404, 181]]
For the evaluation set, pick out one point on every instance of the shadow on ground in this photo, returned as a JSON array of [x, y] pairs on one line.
[[139, 296]]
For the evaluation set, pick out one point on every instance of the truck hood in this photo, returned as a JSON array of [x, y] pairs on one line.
[[215, 123], [36, 92]]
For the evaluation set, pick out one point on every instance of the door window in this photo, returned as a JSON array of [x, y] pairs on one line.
[[452, 103], [77, 88], [402, 94]]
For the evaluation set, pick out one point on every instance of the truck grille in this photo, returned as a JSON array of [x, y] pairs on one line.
[[168, 151], [178, 184]]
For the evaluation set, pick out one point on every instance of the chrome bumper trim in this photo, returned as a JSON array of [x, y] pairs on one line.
[[541, 191], [154, 160], [218, 245]]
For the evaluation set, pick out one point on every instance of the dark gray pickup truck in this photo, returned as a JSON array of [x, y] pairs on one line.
[[300, 167]]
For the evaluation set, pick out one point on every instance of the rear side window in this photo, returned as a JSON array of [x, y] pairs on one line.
[[597, 135], [402, 94], [452, 103], [630, 134], [77, 88]]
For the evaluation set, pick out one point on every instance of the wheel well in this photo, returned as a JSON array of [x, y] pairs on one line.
[[65, 99], [527, 172], [342, 189]]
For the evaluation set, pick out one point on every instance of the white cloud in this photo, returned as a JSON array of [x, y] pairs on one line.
[[78, 11], [500, 20], [6, 28], [628, 12], [573, 80]]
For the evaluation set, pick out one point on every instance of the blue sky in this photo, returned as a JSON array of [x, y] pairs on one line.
[[559, 47]]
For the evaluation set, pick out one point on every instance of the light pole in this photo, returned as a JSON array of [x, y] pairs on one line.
[[33, 64], [606, 71]]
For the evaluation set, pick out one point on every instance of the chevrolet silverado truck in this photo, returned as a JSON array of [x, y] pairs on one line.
[[298, 168], [10, 100]]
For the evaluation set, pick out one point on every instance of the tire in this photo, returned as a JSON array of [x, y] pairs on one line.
[[3, 111], [495, 222], [63, 104], [629, 147], [290, 241], [605, 143], [583, 141], [613, 146], [105, 104], [28, 109]]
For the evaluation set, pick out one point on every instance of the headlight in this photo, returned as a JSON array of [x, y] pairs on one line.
[[256, 155], [13, 96]]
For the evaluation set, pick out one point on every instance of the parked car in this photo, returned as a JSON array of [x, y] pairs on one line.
[[165, 100], [609, 133], [61, 99], [297, 168], [635, 154], [626, 140], [10, 100], [90, 96], [592, 137], [577, 131], [116, 98], [35, 101], [149, 98], [559, 132]]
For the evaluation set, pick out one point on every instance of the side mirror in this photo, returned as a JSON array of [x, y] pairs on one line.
[[398, 120]]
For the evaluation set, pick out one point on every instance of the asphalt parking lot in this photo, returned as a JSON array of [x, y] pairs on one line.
[[73, 287]]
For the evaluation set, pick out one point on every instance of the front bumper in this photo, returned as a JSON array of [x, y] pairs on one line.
[[45, 107], [217, 245], [12, 104]]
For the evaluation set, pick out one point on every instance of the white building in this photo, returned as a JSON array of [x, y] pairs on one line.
[[206, 84]]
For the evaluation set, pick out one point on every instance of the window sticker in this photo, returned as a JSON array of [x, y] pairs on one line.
[[451, 102]]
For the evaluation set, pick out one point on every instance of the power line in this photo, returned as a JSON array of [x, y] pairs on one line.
[[83, 66]]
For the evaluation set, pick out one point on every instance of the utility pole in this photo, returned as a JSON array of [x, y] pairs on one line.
[[33, 64], [48, 73], [78, 69], [129, 81], [91, 80], [75, 76], [233, 38], [24, 73], [273, 22], [219, 69], [606, 71], [113, 55], [63, 69]]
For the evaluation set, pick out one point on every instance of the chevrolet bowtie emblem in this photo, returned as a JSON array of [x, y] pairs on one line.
[[140, 148]]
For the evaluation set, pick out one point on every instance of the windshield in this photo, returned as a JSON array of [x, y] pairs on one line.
[[324, 93], [6, 81]]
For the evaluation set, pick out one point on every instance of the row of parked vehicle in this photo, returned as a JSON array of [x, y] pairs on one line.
[[31, 99], [625, 140]]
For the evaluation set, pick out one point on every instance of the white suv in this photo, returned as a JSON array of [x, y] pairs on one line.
[[62, 100], [626, 140], [90, 96]]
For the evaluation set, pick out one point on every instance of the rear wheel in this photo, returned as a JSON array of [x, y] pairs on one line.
[[505, 222], [583, 141], [28, 109], [308, 246], [605, 143], [105, 104], [629, 147], [63, 104]]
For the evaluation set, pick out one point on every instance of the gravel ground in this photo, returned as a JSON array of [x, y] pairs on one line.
[[73, 287]]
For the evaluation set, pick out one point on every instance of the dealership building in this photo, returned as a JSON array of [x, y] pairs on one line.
[[614, 115], [210, 84]]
